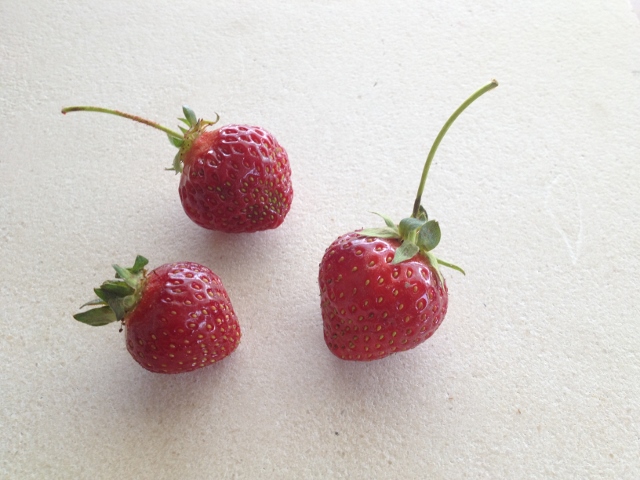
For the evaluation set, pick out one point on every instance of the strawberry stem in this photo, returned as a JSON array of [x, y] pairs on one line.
[[118, 113], [416, 206]]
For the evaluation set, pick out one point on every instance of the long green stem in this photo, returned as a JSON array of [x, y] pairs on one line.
[[490, 86], [166, 130]]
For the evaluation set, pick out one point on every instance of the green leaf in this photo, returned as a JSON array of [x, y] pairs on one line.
[[101, 294], [95, 301], [129, 302], [386, 219], [434, 263], [176, 142], [117, 305], [106, 295], [139, 264], [409, 225], [96, 317], [383, 232], [429, 235], [406, 251], [451, 265], [130, 276], [183, 130], [177, 163], [185, 121], [119, 295], [116, 288], [189, 115], [213, 122], [422, 215], [124, 274]]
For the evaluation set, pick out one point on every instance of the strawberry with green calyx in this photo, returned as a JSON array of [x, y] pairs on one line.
[[235, 178], [177, 318], [381, 289]]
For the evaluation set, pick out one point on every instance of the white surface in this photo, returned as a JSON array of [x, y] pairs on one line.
[[534, 372]]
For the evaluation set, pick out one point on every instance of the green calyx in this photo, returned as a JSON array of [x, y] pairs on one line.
[[185, 141], [182, 141], [418, 234], [115, 298]]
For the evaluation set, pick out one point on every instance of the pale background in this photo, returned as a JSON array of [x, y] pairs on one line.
[[533, 374]]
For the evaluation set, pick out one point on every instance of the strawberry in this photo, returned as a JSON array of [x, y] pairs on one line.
[[235, 178], [177, 317], [381, 289]]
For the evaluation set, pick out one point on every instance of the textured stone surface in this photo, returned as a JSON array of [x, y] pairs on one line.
[[534, 372]]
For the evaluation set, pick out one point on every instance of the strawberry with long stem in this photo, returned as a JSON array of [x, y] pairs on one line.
[[235, 178], [381, 289]]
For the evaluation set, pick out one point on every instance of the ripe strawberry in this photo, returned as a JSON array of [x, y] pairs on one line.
[[372, 307], [381, 288], [235, 179], [177, 317]]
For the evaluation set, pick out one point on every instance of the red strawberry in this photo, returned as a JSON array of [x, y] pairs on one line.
[[177, 317], [381, 288], [234, 179], [372, 307]]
